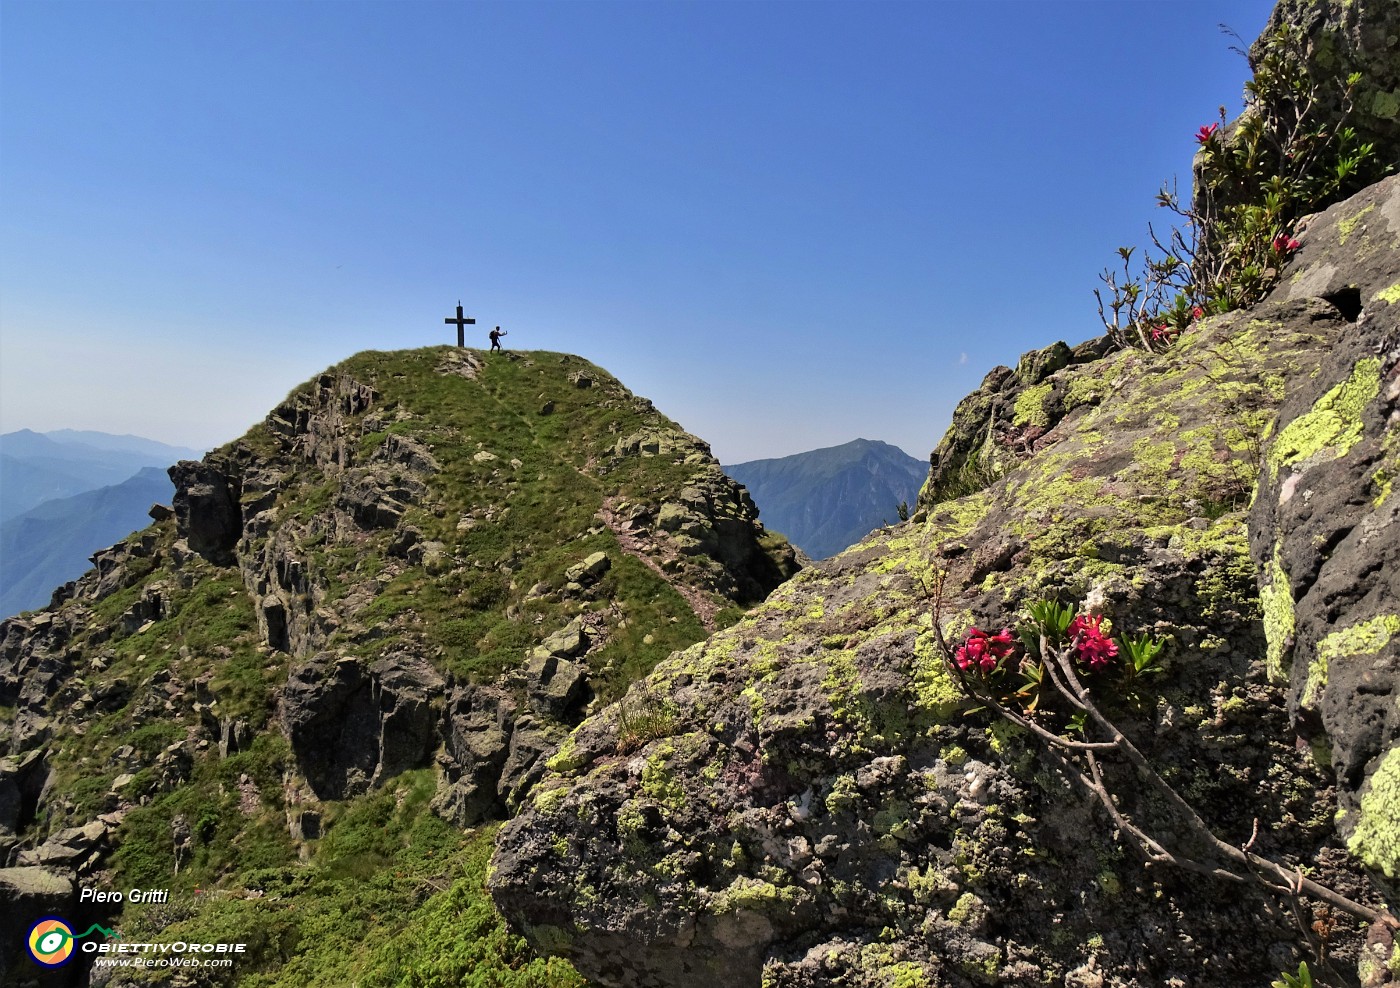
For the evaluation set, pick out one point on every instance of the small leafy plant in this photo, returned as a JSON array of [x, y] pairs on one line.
[[1018, 665], [1059, 659], [1303, 979], [1289, 154]]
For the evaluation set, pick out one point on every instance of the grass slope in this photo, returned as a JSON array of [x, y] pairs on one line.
[[514, 502]]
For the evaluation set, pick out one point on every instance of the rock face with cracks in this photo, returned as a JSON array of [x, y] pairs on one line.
[[808, 799]]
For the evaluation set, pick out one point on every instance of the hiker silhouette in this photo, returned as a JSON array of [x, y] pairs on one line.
[[496, 335]]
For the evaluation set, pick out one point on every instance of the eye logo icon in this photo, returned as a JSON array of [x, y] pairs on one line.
[[51, 939], [51, 942]]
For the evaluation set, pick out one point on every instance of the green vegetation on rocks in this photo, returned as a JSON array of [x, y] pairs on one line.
[[301, 702]]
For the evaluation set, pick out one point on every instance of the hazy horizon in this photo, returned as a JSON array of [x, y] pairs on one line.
[[786, 224]]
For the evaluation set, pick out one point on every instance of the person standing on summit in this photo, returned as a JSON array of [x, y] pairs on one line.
[[496, 335]]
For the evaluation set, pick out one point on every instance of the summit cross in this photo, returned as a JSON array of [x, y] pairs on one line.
[[461, 322]]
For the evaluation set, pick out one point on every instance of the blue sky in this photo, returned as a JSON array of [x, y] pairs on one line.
[[789, 224]]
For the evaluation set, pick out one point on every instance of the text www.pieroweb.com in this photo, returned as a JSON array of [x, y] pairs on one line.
[[163, 962]]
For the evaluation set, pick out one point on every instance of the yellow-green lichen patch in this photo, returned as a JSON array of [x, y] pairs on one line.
[[1383, 480], [1366, 638], [1333, 423], [929, 884], [966, 909], [1030, 406], [755, 895], [666, 760], [1389, 295], [1156, 462], [1280, 619], [1348, 226], [937, 695], [1376, 838], [954, 519], [547, 799], [1085, 389], [883, 964], [567, 760]]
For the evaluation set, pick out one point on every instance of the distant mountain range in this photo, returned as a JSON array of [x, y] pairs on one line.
[[828, 499], [50, 544], [66, 494], [37, 467]]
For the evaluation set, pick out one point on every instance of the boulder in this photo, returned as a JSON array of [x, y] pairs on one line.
[[531, 743], [556, 685], [207, 510], [1325, 527], [75, 849], [26, 895], [568, 642], [479, 724], [1345, 36], [590, 570]]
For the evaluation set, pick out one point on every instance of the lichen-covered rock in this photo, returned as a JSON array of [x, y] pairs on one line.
[[1346, 36], [807, 798], [1325, 528], [1008, 418]]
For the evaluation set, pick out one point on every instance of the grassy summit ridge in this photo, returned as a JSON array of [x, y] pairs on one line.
[[299, 699]]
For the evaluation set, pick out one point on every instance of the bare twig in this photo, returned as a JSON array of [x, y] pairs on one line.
[[1233, 864]]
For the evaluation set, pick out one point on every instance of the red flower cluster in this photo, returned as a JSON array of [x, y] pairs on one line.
[[1206, 133], [1164, 334], [1284, 244], [1197, 312], [1091, 645], [984, 652]]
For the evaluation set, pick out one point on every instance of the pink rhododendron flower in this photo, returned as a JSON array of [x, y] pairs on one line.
[[1092, 647], [1197, 312], [984, 652], [1284, 244], [1206, 133]]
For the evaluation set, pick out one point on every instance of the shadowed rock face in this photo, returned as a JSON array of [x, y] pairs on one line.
[[816, 805], [206, 506], [1325, 528]]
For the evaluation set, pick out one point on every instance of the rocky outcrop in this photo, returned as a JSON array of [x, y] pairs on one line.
[[1007, 419], [206, 507], [1346, 36], [706, 529], [1325, 529], [402, 565], [808, 798], [353, 726], [27, 894]]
